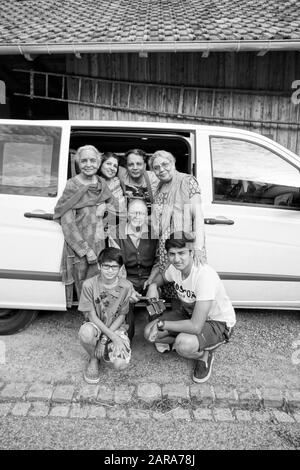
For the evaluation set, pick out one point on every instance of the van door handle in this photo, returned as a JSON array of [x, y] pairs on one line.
[[36, 215], [218, 221]]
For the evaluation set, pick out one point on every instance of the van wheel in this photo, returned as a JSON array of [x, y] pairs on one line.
[[12, 321]]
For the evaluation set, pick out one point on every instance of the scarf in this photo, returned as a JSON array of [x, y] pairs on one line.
[[77, 196]]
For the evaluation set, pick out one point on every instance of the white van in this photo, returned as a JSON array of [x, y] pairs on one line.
[[251, 202]]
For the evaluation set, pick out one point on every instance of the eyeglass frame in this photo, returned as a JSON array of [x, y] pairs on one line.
[[137, 214], [164, 165], [107, 267]]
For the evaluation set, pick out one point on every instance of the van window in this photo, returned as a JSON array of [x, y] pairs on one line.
[[29, 157], [247, 173]]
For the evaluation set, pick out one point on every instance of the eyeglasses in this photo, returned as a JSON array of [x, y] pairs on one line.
[[164, 165], [106, 267], [137, 214]]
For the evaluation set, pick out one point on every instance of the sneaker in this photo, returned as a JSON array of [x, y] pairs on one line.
[[203, 369], [162, 347], [92, 373]]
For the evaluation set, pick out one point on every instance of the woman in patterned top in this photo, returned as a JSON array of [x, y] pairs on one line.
[[177, 207], [108, 170], [83, 210]]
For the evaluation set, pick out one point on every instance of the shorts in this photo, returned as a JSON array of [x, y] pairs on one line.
[[213, 334]]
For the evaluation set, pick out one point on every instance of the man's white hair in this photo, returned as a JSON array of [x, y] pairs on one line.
[[138, 201]]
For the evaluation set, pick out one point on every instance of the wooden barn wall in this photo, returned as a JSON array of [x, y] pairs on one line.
[[269, 79]]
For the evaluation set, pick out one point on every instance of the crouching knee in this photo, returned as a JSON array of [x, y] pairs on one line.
[[88, 334], [186, 344]]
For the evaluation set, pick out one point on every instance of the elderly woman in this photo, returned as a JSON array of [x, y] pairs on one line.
[[177, 206], [82, 211]]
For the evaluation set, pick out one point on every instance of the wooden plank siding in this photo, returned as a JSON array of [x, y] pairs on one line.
[[241, 86]]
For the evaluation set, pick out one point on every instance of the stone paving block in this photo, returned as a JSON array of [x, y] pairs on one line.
[[94, 411], [78, 411], [123, 394], [40, 392], [63, 393], [293, 398], [88, 393], [105, 394], [249, 397], [181, 413], [13, 391], [139, 414], [202, 393], [162, 416], [5, 408], [272, 397], [149, 392], [296, 416], [283, 417], [116, 413], [261, 416], [243, 415], [223, 414], [203, 414], [60, 411], [20, 409], [225, 396], [175, 391], [39, 409]]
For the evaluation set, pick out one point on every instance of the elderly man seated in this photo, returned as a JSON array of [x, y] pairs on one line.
[[138, 250]]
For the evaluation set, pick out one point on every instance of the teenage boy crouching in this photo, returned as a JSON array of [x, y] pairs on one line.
[[104, 301], [206, 316]]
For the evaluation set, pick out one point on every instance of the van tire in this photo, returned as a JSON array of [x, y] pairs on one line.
[[13, 321]]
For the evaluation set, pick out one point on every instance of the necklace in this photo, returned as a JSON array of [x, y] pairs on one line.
[[166, 186]]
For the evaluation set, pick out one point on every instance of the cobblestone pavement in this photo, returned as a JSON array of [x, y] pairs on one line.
[[254, 380], [150, 401]]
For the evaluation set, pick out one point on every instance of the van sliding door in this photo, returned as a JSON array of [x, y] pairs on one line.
[[33, 171]]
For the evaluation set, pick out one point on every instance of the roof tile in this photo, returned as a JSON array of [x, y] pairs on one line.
[[74, 21]]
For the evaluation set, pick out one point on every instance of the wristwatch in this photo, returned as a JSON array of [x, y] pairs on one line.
[[104, 339], [160, 325]]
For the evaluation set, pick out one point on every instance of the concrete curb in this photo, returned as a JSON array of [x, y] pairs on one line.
[[150, 400]]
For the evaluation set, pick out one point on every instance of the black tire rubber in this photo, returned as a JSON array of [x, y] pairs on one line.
[[13, 320]]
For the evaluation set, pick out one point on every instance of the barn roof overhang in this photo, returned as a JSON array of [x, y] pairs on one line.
[[259, 46]]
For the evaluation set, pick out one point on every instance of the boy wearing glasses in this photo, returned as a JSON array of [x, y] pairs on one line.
[[206, 316], [104, 301]]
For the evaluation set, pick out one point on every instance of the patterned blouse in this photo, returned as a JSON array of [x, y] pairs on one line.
[[117, 191], [161, 198]]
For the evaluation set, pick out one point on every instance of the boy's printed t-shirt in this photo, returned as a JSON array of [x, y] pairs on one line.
[[108, 303], [203, 283]]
